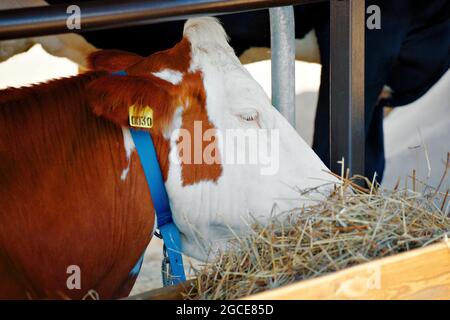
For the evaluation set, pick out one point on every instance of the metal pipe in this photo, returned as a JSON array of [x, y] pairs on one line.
[[95, 15], [347, 133], [282, 34]]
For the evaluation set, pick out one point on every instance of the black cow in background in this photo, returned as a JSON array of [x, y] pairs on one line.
[[409, 53]]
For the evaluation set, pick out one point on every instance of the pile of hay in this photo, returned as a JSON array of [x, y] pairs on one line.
[[351, 226]]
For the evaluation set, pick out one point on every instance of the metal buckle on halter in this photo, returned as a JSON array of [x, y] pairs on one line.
[[165, 268], [165, 264]]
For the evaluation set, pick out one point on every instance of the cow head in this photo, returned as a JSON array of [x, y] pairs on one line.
[[227, 155]]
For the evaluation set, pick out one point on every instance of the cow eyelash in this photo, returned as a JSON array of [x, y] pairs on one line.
[[249, 117]]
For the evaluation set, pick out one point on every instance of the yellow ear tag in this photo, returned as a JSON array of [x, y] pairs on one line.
[[140, 118]]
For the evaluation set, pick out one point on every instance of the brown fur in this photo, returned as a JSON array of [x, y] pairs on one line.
[[62, 199], [193, 173], [162, 96], [112, 60], [177, 58]]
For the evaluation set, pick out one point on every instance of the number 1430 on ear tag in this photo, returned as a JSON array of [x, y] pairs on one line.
[[140, 117]]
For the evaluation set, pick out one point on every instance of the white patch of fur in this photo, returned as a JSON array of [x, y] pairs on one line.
[[208, 40], [129, 146], [204, 30], [172, 76]]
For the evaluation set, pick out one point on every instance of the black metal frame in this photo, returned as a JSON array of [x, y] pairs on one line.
[[347, 131], [15, 23], [347, 18]]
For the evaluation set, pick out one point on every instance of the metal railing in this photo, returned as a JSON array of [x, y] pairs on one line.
[[346, 57], [103, 14]]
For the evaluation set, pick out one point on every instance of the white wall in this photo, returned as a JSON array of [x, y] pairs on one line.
[[33, 66], [413, 133]]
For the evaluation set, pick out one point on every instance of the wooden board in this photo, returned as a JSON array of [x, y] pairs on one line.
[[418, 274]]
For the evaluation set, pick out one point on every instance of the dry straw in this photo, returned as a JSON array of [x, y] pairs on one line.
[[353, 225]]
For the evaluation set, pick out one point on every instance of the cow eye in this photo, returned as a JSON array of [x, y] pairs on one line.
[[250, 116]]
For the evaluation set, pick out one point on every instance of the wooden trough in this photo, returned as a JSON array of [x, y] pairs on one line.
[[418, 274]]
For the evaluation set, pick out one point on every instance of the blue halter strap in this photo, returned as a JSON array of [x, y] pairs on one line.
[[169, 232]]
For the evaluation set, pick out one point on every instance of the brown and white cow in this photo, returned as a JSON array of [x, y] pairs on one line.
[[72, 190]]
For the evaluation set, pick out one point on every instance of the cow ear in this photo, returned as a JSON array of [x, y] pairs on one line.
[[112, 96], [112, 60]]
